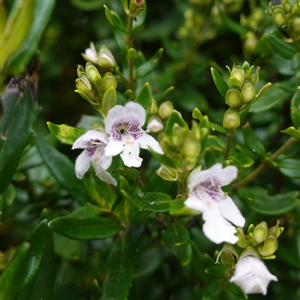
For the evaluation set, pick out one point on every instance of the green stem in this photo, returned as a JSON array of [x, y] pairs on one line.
[[229, 144], [265, 163]]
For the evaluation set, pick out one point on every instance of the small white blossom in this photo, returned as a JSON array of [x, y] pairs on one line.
[[91, 54], [124, 123], [252, 276], [218, 209], [93, 142], [155, 124]]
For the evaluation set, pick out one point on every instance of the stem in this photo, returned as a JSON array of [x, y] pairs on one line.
[[229, 144], [265, 163]]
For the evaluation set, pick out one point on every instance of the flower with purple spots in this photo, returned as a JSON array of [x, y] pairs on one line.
[[123, 124], [93, 142], [218, 210]]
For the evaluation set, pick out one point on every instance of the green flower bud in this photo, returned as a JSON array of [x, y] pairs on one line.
[[279, 17], [190, 147], [233, 97], [165, 109], [105, 59], [166, 173], [247, 92], [294, 28], [227, 258], [269, 246], [254, 78], [260, 232], [275, 230], [94, 77], [108, 81], [231, 119], [243, 241], [238, 73], [286, 6], [177, 136], [154, 108]]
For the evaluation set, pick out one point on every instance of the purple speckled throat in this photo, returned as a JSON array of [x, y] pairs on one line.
[[126, 126], [212, 187], [92, 145]]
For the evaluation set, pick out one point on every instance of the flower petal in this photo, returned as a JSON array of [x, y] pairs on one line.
[[114, 114], [130, 154], [136, 111], [147, 141], [90, 135], [227, 175], [113, 148], [101, 173], [105, 161], [194, 203], [82, 164], [230, 212]]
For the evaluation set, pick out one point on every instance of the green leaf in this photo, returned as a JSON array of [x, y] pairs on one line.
[[120, 271], [295, 64], [139, 20], [18, 22], [88, 4], [260, 201], [292, 131], [85, 228], [149, 66], [144, 97], [177, 207], [63, 170], [232, 25], [165, 160], [176, 235], [252, 141], [114, 19], [217, 271], [183, 253], [295, 109], [280, 47], [220, 83], [20, 113], [149, 201], [289, 167], [239, 160], [64, 133], [109, 100], [175, 118]]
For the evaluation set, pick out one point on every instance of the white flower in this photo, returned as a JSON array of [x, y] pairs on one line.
[[93, 142], [91, 54], [252, 276], [155, 124], [124, 123], [218, 209]]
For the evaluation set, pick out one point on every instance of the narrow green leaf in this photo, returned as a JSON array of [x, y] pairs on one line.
[[63, 170], [165, 160], [240, 160], [148, 66], [295, 109], [252, 141], [64, 133], [220, 83], [88, 4], [176, 235], [120, 271], [149, 201], [114, 19], [175, 118], [21, 58], [85, 228], [295, 64], [232, 25], [289, 167], [217, 271], [144, 97], [139, 20], [260, 201], [20, 113], [292, 131]]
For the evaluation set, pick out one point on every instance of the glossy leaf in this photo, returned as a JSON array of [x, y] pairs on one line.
[[21, 58], [114, 19], [260, 201], [174, 118], [295, 109], [239, 160], [85, 228], [252, 141], [144, 97], [149, 201], [149, 66], [289, 167], [63, 170], [220, 83], [292, 131], [120, 271], [139, 20], [64, 133], [20, 113], [176, 235]]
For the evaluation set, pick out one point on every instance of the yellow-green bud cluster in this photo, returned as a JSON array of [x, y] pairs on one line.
[[261, 238], [100, 92], [240, 92], [286, 16]]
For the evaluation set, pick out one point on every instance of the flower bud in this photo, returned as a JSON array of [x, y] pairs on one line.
[[155, 124], [166, 173], [177, 136], [233, 97], [260, 232], [108, 81], [165, 109], [238, 73], [91, 54], [286, 6], [243, 241], [279, 17], [294, 27], [190, 147], [269, 246], [247, 92], [154, 108], [106, 60], [231, 119]]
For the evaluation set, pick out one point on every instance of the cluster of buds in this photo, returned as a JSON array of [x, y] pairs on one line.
[[286, 16], [102, 58], [240, 92], [100, 92]]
